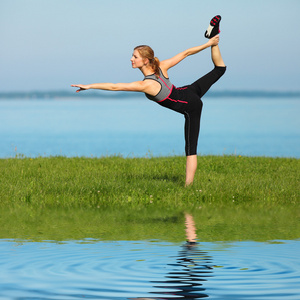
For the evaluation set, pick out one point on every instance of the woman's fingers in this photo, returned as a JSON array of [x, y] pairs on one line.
[[215, 40], [81, 88]]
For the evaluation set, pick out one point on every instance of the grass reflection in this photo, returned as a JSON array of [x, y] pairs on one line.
[[235, 223]]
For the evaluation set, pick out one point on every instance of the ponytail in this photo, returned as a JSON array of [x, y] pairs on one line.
[[147, 52], [155, 66]]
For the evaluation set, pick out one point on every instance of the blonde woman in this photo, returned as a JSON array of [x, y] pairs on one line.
[[157, 87]]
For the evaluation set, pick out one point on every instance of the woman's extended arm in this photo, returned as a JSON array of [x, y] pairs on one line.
[[171, 62], [136, 86]]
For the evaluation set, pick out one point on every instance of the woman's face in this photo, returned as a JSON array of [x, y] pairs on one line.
[[136, 60]]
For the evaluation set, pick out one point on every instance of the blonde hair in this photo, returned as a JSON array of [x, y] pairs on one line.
[[147, 52]]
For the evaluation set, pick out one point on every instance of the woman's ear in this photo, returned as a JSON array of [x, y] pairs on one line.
[[146, 61]]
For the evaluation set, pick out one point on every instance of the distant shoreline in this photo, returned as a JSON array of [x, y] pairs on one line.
[[116, 95]]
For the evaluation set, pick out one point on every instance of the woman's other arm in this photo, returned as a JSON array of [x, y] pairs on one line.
[[171, 62]]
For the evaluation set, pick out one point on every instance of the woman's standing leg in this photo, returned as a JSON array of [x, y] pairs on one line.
[[191, 167], [191, 134]]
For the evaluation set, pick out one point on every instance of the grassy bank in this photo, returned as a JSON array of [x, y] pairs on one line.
[[142, 182], [112, 198]]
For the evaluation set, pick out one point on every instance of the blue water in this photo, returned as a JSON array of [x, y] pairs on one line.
[[139, 127], [116, 270]]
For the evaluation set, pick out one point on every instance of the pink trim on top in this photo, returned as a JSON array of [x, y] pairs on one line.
[[168, 95], [165, 83], [170, 98]]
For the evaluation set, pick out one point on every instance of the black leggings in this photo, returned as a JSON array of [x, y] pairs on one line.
[[187, 101]]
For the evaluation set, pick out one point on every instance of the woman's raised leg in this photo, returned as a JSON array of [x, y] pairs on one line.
[[216, 56]]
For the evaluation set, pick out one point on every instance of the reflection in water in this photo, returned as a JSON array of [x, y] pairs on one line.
[[118, 270], [191, 269]]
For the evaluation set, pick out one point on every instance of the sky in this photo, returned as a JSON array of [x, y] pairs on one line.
[[49, 45]]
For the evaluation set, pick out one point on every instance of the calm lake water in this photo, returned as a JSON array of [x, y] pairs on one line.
[[119, 270], [139, 127], [143, 254]]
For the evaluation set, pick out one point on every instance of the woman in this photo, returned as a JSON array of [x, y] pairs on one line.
[[185, 100]]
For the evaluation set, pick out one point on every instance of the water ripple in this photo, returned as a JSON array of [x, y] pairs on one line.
[[153, 270]]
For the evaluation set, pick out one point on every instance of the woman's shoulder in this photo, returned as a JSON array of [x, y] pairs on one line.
[[163, 70]]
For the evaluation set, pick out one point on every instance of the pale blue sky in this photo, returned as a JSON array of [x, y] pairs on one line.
[[48, 45]]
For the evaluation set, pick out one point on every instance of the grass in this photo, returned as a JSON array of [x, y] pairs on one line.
[[115, 198], [142, 182], [232, 223]]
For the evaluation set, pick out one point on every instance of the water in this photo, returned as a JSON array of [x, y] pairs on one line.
[[155, 269], [138, 127], [115, 270]]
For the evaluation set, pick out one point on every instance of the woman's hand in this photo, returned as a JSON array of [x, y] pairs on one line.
[[82, 87], [214, 41]]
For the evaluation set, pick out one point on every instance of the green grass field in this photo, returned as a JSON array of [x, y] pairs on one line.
[[115, 198], [141, 182]]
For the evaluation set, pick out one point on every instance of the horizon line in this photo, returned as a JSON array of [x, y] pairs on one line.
[[100, 93]]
